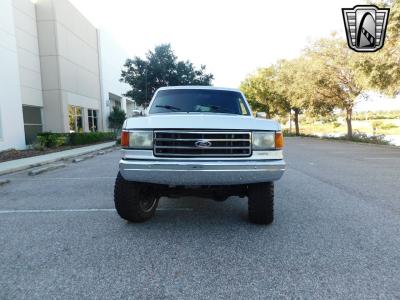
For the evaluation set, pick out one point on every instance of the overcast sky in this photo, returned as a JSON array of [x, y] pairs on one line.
[[232, 37]]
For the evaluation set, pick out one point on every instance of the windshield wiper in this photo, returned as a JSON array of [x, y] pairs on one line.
[[169, 107]]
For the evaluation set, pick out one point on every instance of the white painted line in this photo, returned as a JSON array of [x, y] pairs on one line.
[[18, 211], [43, 178], [391, 158], [24, 211]]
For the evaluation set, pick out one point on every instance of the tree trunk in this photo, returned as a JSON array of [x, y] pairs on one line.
[[296, 120], [268, 114], [290, 121], [349, 113]]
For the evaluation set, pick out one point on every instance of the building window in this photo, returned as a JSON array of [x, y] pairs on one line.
[[75, 118], [32, 122], [93, 119], [115, 103]]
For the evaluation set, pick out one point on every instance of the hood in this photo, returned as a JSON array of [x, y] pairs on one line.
[[200, 121]]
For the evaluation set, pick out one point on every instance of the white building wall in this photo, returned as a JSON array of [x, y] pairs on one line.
[[11, 119], [69, 63], [112, 58], [28, 52], [78, 60], [51, 56], [53, 119]]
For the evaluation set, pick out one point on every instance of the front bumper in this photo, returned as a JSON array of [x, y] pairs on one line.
[[189, 172]]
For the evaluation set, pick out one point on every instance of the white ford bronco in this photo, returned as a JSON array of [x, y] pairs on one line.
[[199, 141]]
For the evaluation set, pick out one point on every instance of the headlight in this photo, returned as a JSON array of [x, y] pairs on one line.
[[137, 139], [263, 140]]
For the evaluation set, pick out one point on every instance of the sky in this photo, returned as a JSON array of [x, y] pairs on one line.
[[231, 37], [376, 102]]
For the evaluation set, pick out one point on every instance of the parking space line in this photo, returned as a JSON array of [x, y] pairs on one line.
[[59, 178], [391, 158], [22, 211], [18, 211]]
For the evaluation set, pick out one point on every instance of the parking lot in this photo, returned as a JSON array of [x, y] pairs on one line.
[[336, 234]]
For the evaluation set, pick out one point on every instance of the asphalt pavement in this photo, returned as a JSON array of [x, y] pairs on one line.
[[336, 234]]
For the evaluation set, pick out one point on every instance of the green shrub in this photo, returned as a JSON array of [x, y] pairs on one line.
[[53, 140], [83, 138], [287, 133], [37, 146], [373, 139], [116, 118], [388, 126], [357, 137]]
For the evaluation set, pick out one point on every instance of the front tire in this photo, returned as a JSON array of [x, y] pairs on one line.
[[135, 202], [261, 203]]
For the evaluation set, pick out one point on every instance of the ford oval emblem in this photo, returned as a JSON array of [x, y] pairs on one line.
[[202, 144]]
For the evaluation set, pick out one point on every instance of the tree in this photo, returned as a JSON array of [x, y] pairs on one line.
[[116, 118], [260, 90], [382, 68], [294, 83], [160, 68], [338, 82], [281, 88]]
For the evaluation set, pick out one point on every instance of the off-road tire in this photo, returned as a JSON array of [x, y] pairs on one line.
[[128, 199], [261, 203]]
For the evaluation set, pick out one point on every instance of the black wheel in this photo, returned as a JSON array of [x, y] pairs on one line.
[[261, 202], [135, 202]]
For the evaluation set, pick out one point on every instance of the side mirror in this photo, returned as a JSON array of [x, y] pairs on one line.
[[136, 112], [261, 114]]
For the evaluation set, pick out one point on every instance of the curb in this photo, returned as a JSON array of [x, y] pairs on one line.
[[85, 157], [4, 181], [45, 169], [82, 158], [76, 160], [53, 160]]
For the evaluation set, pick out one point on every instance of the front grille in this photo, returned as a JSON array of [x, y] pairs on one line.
[[202, 143]]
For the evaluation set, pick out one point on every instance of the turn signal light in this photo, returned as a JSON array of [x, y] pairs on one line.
[[125, 139], [278, 140]]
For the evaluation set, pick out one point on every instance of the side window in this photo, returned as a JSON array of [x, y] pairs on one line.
[[243, 109]]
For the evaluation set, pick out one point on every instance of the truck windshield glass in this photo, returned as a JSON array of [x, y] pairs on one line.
[[199, 101]]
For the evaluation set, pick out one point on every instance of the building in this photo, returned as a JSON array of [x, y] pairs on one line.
[[58, 72], [111, 60]]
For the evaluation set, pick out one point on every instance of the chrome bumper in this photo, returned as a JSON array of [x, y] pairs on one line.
[[221, 172]]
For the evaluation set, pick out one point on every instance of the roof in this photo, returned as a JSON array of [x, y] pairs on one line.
[[197, 87]]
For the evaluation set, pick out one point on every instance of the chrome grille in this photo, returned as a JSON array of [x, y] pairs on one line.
[[202, 143]]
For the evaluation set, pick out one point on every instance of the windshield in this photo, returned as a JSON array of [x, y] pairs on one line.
[[199, 101]]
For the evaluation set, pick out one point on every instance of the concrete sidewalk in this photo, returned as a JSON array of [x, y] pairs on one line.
[[29, 162]]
